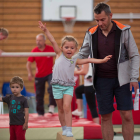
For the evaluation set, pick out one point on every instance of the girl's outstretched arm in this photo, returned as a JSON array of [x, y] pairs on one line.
[[50, 37], [93, 60]]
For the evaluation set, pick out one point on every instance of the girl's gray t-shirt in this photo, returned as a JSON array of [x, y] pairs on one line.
[[63, 72]]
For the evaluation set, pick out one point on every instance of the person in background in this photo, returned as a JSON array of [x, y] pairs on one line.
[[3, 33], [117, 76], [43, 74], [18, 109], [89, 92]]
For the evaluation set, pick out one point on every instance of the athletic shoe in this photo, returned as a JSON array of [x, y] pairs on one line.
[[77, 113], [51, 109]]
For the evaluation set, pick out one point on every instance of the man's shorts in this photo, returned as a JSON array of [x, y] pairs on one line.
[[59, 91], [106, 89]]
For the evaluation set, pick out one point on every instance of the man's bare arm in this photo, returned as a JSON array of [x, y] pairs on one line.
[[29, 69]]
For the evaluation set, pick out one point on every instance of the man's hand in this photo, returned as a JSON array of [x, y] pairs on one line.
[[25, 126], [30, 77], [135, 85]]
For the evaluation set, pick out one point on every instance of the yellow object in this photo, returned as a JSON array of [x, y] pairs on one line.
[[60, 137]]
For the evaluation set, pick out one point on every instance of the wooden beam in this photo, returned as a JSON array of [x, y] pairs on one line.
[[60, 137]]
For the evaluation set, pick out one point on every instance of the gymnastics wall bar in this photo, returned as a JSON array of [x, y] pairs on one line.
[[26, 54], [126, 16], [130, 16]]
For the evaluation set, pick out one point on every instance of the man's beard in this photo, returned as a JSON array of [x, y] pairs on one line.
[[39, 46]]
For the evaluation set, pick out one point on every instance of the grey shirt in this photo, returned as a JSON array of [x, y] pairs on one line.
[[63, 72]]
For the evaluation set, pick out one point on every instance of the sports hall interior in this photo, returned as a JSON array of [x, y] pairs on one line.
[[21, 18]]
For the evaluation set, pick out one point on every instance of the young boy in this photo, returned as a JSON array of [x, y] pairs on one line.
[[18, 109]]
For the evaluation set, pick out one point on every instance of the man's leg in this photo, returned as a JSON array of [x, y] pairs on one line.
[[127, 125], [125, 105], [107, 127], [40, 90], [52, 102], [104, 93]]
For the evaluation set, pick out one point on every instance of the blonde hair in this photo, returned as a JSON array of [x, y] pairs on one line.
[[17, 80], [4, 31], [69, 39]]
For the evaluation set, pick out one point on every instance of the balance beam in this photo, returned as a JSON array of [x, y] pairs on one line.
[[26, 54], [60, 137]]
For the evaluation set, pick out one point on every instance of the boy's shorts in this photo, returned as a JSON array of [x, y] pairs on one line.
[[17, 132], [106, 89], [59, 91]]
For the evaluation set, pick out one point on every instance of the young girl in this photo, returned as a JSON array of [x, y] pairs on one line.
[[63, 76]]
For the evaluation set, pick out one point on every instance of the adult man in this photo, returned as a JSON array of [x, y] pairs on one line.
[[43, 73], [118, 75]]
